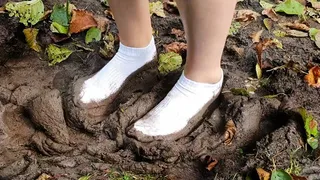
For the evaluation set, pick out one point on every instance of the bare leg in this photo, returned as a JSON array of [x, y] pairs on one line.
[[137, 48], [133, 21], [206, 24]]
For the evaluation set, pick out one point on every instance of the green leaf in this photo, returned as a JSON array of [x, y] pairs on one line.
[[157, 9], [93, 34], [57, 54], [27, 11], [258, 71], [57, 28], [85, 177], [312, 33], [280, 175], [311, 127], [291, 7], [266, 5], [169, 62], [279, 33], [239, 91], [60, 15]]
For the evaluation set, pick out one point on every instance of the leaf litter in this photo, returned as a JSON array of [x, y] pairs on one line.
[[57, 54]]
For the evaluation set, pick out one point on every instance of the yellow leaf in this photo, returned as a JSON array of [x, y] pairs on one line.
[[44, 176], [263, 175], [258, 71], [31, 38], [156, 8]]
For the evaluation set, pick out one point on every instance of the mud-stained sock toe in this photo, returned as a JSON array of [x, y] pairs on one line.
[[111, 77], [173, 113]]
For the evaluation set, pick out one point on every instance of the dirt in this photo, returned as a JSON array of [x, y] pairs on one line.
[[43, 130]]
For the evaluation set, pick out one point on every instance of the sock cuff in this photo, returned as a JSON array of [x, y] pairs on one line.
[[198, 87], [132, 51]]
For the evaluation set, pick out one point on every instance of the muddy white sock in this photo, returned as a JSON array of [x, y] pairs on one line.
[[110, 78], [172, 114]]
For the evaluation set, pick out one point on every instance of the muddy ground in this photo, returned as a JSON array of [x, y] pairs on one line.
[[42, 130]]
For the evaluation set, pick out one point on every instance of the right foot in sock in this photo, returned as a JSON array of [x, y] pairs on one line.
[[112, 76]]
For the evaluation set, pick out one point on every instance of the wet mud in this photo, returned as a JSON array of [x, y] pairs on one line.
[[44, 130]]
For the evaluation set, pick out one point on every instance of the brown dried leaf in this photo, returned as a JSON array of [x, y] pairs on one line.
[[170, 6], [109, 14], [245, 15], [296, 26], [296, 33], [261, 46], [81, 20], [313, 77], [239, 51], [178, 33], [263, 175], [211, 163], [46, 15], [230, 132], [271, 14], [2, 10], [256, 36], [103, 23], [294, 177], [177, 47]]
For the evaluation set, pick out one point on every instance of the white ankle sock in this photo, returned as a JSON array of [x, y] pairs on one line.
[[110, 78], [184, 101]]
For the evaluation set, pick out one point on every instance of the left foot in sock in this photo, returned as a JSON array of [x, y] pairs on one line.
[[176, 110]]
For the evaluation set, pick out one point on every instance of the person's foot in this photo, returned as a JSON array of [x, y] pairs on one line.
[[111, 77], [177, 110]]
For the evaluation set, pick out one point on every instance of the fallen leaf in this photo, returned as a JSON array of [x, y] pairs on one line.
[[291, 7], [280, 175], [256, 36], [59, 37], [277, 43], [57, 54], [295, 177], [177, 47], [311, 127], [296, 33], [234, 28], [230, 132], [109, 14], [108, 50], [85, 177], [169, 62], [258, 71], [178, 33], [102, 23], [46, 15], [105, 2], [268, 23], [81, 20], [312, 33], [84, 47], [2, 10], [263, 175], [44, 176], [239, 51], [313, 77], [271, 14], [157, 9], [170, 6], [31, 38], [93, 34], [60, 15], [296, 26], [27, 11], [211, 163], [266, 5], [245, 15], [58, 28], [279, 33], [239, 92]]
